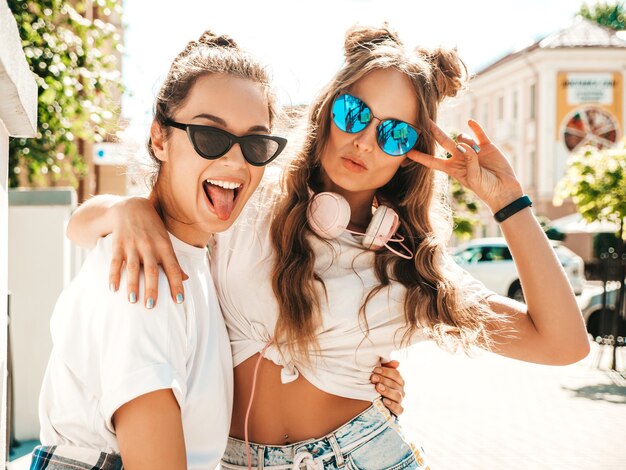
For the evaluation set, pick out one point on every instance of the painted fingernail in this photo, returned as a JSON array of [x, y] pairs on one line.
[[381, 387], [386, 401], [461, 149], [112, 287], [476, 148], [179, 298], [133, 297], [375, 379], [150, 302], [378, 370]]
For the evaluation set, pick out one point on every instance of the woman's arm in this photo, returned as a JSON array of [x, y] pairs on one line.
[[92, 220], [139, 239], [550, 328], [149, 430]]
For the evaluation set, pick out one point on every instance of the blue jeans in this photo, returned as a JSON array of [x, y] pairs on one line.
[[371, 441]]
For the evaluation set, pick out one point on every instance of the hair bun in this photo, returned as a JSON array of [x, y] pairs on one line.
[[449, 71], [368, 37], [209, 38]]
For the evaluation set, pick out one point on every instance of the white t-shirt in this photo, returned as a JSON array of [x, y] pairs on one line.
[[242, 267], [107, 351]]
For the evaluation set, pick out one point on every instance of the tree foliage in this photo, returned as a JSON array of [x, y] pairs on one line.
[[464, 210], [552, 232], [609, 14], [73, 58], [595, 180]]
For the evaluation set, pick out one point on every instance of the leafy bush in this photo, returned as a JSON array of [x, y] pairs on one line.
[[73, 58]]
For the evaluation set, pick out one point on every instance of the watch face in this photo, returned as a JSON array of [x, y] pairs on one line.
[[590, 126]]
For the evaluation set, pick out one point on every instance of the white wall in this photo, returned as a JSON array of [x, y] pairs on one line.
[[18, 117], [4, 159], [41, 263]]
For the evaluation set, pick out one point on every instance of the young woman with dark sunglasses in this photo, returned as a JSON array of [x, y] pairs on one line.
[[126, 389], [349, 262]]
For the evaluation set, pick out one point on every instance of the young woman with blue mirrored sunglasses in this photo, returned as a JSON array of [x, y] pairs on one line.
[[352, 115]]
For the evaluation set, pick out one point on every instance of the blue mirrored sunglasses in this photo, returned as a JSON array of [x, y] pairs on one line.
[[394, 137]]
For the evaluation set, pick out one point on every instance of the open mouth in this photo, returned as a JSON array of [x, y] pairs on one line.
[[222, 196]]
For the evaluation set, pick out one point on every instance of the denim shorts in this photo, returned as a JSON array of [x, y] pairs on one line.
[[371, 441]]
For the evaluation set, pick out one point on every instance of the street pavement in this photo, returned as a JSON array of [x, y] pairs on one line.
[[494, 413]]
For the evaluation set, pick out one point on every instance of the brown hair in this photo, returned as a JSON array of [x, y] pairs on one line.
[[210, 54], [432, 302]]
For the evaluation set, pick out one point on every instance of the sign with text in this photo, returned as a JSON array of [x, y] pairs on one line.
[[589, 88], [589, 107]]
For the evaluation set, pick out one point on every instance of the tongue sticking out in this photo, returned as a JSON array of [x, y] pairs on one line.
[[223, 200]]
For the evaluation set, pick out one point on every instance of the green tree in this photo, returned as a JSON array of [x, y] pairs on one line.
[[70, 48], [464, 210], [609, 14], [595, 180], [551, 232]]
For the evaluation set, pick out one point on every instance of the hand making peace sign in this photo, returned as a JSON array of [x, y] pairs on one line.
[[476, 163]]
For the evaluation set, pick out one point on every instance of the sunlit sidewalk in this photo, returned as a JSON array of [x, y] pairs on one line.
[[493, 413]]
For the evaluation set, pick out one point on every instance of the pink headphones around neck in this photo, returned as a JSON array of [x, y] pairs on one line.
[[328, 215]]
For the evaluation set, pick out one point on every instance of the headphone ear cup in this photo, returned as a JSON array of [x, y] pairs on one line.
[[328, 214], [384, 224]]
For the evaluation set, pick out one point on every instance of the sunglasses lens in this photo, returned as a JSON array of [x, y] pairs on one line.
[[259, 150], [350, 114], [210, 143], [396, 137]]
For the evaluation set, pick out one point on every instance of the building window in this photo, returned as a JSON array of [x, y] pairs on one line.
[[486, 115], [532, 170], [501, 108], [515, 105], [533, 98]]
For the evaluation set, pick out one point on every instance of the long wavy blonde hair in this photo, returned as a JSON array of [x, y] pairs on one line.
[[432, 303]]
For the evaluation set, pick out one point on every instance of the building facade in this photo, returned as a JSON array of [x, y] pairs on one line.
[[544, 102]]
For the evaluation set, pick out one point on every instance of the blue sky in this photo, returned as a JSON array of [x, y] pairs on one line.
[[302, 41]]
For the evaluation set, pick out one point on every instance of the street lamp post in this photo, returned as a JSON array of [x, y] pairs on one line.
[[622, 289]]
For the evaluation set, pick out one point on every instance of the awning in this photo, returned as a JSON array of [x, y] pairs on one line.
[[574, 223]]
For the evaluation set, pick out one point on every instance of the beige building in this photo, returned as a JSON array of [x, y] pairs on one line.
[[542, 103]]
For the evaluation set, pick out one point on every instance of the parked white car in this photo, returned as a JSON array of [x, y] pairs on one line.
[[489, 260]]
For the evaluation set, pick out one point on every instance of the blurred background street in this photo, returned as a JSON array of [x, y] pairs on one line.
[[489, 412], [493, 413]]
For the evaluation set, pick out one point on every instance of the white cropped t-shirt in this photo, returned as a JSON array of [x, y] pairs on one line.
[[242, 268]]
